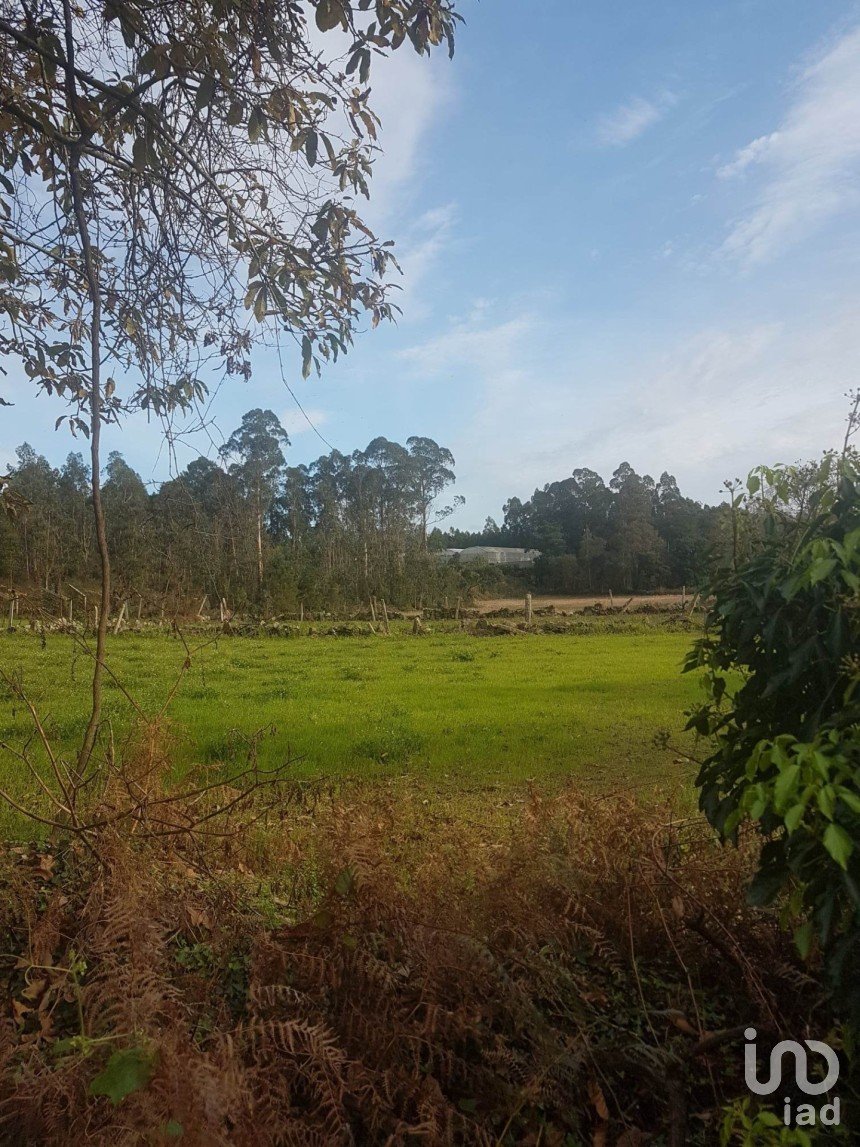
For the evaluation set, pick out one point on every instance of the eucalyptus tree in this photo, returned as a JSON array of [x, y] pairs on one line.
[[173, 172], [257, 450], [432, 469]]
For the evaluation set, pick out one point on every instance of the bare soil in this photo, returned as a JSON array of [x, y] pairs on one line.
[[577, 604]]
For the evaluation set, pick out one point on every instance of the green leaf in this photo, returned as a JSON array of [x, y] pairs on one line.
[[794, 816], [849, 798], [786, 786], [839, 844], [821, 569], [126, 1071], [803, 938], [827, 801]]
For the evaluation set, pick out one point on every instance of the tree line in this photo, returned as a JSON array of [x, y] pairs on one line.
[[630, 535], [247, 528], [260, 533]]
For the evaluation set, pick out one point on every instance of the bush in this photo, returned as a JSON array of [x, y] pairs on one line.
[[782, 655]]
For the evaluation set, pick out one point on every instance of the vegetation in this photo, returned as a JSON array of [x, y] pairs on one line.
[[254, 531], [631, 535], [354, 886], [169, 170], [450, 708], [265, 535], [380, 967], [786, 750]]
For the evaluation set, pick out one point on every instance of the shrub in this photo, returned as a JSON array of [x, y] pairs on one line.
[[781, 651]]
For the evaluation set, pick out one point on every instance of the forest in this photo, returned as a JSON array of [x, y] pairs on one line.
[[258, 532]]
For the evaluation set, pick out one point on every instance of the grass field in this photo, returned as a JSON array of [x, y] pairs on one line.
[[442, 707]]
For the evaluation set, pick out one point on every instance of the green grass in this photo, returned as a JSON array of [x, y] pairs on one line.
[[448, 708]]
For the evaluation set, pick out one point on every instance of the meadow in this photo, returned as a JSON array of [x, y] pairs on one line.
[[445, 707]]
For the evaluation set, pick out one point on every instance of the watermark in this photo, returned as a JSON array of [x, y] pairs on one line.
[[803, 1114]]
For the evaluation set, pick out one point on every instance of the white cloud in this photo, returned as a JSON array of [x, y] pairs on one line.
[[755, 152], [710, 406], [295, 423], [810, 166], [418, 252], [409, 93], [632, 119]]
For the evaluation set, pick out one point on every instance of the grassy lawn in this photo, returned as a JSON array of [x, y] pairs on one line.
[[444, 707]]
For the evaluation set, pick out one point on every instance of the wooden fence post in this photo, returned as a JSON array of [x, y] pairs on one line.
[[119, 620], [528, 609], [385, 618]]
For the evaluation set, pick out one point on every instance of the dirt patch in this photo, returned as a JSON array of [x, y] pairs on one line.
[[638, 604]]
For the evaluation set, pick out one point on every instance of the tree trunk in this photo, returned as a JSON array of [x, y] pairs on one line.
[[95, 411], [259, 543]]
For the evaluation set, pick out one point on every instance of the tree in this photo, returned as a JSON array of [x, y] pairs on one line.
[[258, 447], [166, 169], [432, 471], [35, 481], [635, 543], [128, 522]]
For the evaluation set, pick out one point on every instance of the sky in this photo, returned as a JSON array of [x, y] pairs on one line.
[[629, 232]]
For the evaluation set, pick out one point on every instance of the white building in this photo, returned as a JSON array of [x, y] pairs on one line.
[[493, 555]]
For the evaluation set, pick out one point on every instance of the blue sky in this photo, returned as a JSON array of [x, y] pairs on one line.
[[629, 231]]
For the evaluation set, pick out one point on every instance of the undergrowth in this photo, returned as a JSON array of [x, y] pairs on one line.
[[373, 966]]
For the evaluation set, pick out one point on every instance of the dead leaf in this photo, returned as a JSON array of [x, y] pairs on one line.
[[20, 1012], [198, 918], [598, 1100], [683, 1024]]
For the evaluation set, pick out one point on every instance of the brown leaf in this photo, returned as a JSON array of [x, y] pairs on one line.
[[598, 1100], [20, 1011], [198, 918], [683, 1024], [34, 989]]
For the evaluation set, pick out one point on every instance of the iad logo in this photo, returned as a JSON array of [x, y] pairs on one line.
[[805, 1113]]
